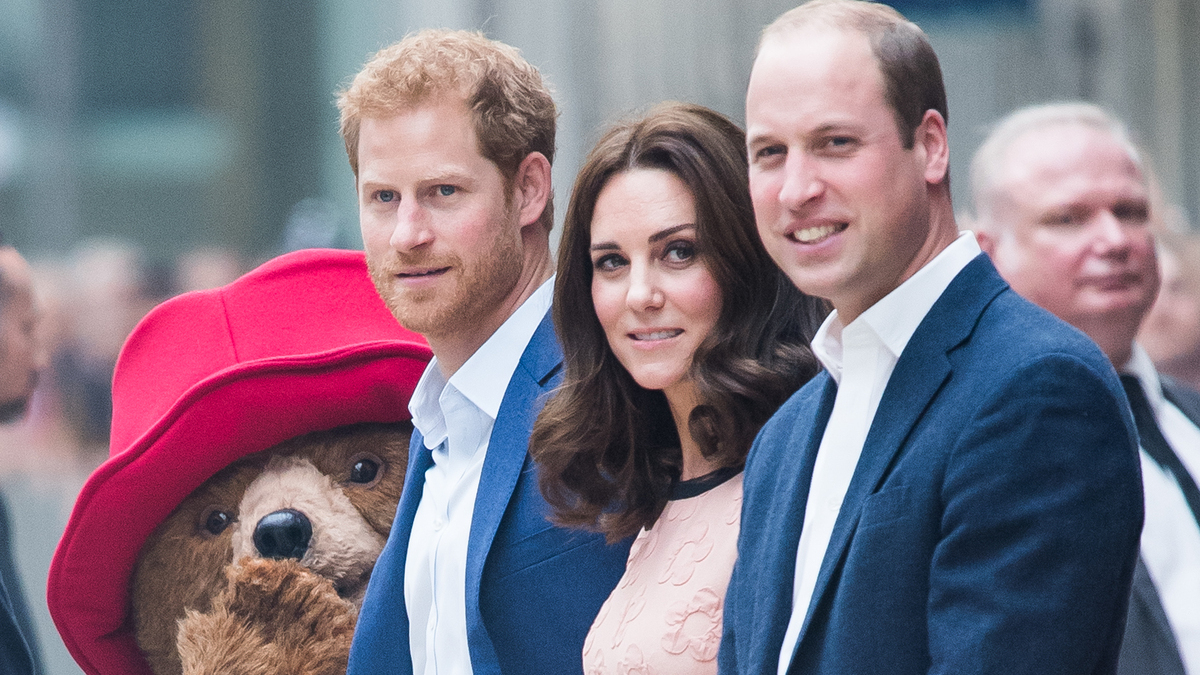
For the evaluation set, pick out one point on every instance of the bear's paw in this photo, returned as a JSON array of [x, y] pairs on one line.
[[274, 618]]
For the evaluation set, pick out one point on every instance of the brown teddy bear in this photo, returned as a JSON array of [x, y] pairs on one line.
[[259, 442], [276, 550]]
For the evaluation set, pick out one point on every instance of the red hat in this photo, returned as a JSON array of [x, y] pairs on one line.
[[301, 344]]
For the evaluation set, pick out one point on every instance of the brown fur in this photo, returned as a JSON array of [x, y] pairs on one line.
[[186, 577], [274, 618]]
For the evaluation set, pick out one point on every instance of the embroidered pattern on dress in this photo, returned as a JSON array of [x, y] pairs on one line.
[[690, 550], [641, 549], [634, 663], [697, 626], [632, 609], [734, 514]]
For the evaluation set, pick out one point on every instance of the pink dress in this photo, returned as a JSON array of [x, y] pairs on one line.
[[664, 617]]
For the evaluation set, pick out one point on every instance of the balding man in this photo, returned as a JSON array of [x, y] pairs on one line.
[[1064, 210], [20, 361], [958, 492]]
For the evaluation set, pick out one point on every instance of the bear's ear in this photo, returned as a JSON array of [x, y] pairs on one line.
[[182, 564]]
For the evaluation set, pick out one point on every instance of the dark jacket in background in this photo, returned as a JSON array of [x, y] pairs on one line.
[[17, 644]]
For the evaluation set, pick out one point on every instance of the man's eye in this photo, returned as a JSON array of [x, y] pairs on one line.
[[840, 143], [769, 151], [446, 190], [385, 196], [1060, 219], [1132, 213]]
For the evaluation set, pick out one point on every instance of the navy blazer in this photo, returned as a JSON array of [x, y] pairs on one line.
[[533, 589], [991, 525], [1150, 647]]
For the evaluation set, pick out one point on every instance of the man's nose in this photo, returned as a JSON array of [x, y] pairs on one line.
[[801, 183], [1111, 234], [411, 228]]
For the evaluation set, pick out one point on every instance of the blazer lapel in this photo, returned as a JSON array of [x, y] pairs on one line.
[[420, 458], [781, 514], [505, 459], [920, 372], [390, 618]]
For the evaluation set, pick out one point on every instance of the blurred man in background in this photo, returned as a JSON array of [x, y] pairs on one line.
[[20, 361], [1064, 211], [1171, 331]]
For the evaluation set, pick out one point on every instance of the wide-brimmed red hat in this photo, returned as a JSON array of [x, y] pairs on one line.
[[301, 344]]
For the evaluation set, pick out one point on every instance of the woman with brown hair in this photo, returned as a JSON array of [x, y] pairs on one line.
[[681, 338]]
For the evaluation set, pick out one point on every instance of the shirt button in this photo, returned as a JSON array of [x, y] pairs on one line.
[[438, 524], [833, 504]]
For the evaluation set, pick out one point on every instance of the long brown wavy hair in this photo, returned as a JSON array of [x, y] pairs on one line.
[[608, 450]]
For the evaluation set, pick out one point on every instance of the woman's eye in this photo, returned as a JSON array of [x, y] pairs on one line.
[[609, 263], [680, 251], [446, 190]]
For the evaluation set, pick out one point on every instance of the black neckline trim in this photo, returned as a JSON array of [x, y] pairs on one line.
[[694, 487]]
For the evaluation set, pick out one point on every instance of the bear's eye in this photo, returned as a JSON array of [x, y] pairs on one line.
[[364, 471], [215, 521]]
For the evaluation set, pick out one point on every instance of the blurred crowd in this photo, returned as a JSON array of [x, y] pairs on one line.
[[88, 302], [1171, 331]]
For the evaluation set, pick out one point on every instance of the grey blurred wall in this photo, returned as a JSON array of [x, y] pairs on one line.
[[608, 58], [201, 122]]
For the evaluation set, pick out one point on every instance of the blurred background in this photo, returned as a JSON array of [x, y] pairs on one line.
[[150, 147]]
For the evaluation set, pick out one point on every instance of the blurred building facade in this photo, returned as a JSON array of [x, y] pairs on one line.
[[199, 123]]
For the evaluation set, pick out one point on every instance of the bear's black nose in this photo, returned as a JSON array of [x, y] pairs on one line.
[[283, 534]]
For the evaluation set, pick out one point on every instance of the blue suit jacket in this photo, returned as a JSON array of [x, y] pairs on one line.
[[992, 522], [533, 589]]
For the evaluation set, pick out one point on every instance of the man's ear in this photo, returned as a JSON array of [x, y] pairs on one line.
[[531, 187], [987, 242], [930, 136]]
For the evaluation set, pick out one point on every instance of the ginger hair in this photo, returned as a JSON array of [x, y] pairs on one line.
[[513, 111]]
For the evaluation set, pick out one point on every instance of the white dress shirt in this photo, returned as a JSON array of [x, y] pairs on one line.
[[455, 418], [1170, 535], [860, 357]]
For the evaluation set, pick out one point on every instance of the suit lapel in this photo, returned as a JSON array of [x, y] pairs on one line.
[[781, 514], [506, 455], [420, 459], [919, 374], [390, 619]]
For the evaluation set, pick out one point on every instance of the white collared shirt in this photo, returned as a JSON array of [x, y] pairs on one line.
[[1170, 535], [455, 418], [860, 357]]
